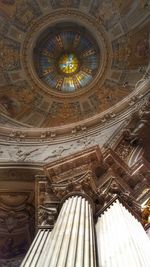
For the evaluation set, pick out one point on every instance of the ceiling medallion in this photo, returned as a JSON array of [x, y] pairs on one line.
[[66, 57]]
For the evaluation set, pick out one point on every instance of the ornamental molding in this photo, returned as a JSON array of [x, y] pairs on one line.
[[38, 26], [71, 132], [138, 124], [95, 176]]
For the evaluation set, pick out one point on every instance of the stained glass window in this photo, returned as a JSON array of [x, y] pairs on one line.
[[68, 63], [66, 57]]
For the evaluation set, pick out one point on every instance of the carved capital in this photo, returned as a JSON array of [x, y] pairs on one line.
[[46, 216], [83, 185], [46, 204], [90, 175]]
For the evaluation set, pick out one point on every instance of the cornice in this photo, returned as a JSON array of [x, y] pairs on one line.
[[76, 175], [129, 204]]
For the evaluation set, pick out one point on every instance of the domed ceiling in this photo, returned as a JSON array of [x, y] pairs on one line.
[[65, 61], [66, 58]]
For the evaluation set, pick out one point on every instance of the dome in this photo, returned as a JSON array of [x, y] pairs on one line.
[[66, 57], [74, 102], [67, 65]]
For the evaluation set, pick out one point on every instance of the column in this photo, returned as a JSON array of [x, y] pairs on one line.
[[71, 243], [37, 248], [121, 239]]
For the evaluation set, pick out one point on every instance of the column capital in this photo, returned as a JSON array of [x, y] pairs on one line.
[[84, 185], [46, 203], [92, 175], [75, 175]]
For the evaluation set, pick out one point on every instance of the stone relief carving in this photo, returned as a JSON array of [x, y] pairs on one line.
[[99, 196], [66, 149], [11, 218], [46, 203], [46, 215], [8, 219], [19, 153], [50, 152], [58, 152], [124, 149], [16, 223], [133, 134], [77, 176]]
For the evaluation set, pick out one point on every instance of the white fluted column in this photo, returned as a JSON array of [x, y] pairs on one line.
[[37, 248], [71, 242], [121, 239]]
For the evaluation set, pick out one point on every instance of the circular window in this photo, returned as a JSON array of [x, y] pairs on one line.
[[66, 57]]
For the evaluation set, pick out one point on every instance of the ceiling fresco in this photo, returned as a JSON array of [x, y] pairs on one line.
[[77, 86]]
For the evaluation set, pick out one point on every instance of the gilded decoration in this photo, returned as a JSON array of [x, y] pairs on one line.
[[66, 57], [9, 56], [8, 7], [91, 141], [120, 41], [68, 63], [146, 213], [82, 20]]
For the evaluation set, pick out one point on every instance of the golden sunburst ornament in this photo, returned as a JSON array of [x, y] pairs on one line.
[[68, 63]]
